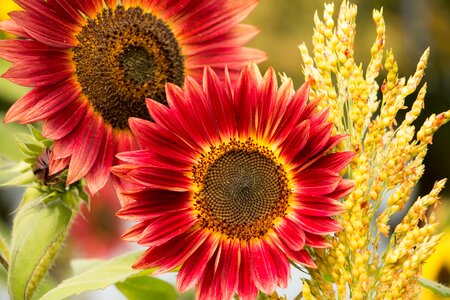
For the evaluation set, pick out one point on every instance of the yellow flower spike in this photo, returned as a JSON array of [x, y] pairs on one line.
[[387, 166], [306, 292]]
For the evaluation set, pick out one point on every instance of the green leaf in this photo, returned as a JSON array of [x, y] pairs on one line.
[[37, 236], [96, 277], [81, 265], [435, 287], [146, 287], [13, 173]]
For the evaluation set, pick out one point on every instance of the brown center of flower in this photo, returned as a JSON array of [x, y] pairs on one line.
[[242, 189], [122, 57]]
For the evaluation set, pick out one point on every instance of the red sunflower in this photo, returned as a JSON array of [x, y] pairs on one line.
[[92, 63], [232, 183]]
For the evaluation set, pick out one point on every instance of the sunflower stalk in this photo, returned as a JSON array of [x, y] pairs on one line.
[[4, 254], [386, 168]]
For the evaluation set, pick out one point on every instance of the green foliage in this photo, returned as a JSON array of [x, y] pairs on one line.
[[145, 287], [38, 233], [32, 144], [98, 276], [435, 287], [14, 174]]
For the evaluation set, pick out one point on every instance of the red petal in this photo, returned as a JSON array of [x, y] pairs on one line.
[[319, 209], [316, 182], [316, 199], [316, 225], [316, 145], [12, 27], [32, 51], [89, 7], [173, 253], [43, 72], [279, 128], [175, 123], [57, 165], [182, 122], [295, 141], [290, 109], [153, 203], [61, 124], [208, 287], [291, 234], [263, 267], [161, 178], [316, 241], [221, 104], [334, 161], [197, 105], [230, 258], [211, 19], [267, 94], [193, 268], [166, 227], [85, 152], [41, 103], [302, 257], [236, 37], [51, 11], [158, 138], [124, 141], [99, 173], [246, 288], [134, 233], [343, 189], [282, 265], [234, 58], [53, 33], [66, 10], [111, 3], [246, 95]]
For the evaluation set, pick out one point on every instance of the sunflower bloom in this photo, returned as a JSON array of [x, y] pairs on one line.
[[232, 183], [92, 63]]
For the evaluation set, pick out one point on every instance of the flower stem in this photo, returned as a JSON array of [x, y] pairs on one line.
[[4, 253]]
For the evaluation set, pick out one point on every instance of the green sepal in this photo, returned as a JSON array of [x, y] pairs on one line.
[[74, 194], [435, 287], [33, 143], [36, 195], [39, 231], [146, 287], [96, 276]]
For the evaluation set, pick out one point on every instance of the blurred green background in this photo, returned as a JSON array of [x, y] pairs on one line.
[[411, 26]]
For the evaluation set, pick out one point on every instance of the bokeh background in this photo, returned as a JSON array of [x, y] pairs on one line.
[[411, 25]]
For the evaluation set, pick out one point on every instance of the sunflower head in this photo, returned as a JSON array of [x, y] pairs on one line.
[[233, 182], [92, 64]]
